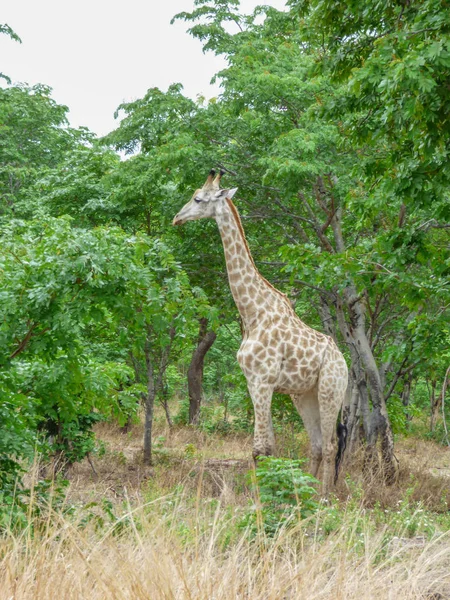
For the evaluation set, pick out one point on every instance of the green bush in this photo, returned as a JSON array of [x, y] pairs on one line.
[[21, 507], [284, 493]]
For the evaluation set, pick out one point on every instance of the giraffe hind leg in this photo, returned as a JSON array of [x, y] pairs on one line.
[[308, 407], [330, 399]]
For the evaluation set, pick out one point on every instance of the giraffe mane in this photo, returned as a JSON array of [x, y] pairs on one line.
[[235, 214]]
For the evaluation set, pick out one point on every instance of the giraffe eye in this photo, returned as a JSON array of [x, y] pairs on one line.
[[197, 199]]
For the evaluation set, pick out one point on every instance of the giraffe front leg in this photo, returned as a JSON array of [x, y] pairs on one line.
[[264, 439]]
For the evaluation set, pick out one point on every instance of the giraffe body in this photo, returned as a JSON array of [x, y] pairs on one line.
[[279, 353]]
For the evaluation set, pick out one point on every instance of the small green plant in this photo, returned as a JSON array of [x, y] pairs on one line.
[[285, 493], [182, 416], [103, 514], [20, 506], [190, 451], [161, 454]]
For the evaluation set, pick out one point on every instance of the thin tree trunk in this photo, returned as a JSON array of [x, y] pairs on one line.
[[326, 317], [126, 428], [164, 396], [223, 400], [406, 393], [435, 405], [149, 403], [160, 385], [353, 412], [155, 380], [195, 372]]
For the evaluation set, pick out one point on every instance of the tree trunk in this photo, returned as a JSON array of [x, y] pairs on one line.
[[161, 385], [378, 427], [149, 404], [195, 372], [365, 403], [406, 393], [126, 428], [164, 397], [435, 405], [326, 317]]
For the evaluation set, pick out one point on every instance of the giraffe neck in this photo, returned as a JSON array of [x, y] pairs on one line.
[[250, 290]]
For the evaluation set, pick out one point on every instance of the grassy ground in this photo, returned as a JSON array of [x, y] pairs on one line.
[[175, 530]]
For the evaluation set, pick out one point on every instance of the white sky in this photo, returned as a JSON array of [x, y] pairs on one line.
[[96, 54]]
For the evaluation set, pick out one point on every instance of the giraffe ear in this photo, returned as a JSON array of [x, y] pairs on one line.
[[222, 194]]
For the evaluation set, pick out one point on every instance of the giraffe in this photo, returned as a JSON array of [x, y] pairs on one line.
[[278, 352]]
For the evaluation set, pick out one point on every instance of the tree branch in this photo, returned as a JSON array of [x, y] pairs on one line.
[[24, 343], [400, 373], [316, 225]]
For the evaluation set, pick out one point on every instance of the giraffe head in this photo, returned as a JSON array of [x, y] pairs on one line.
[[206, 202]]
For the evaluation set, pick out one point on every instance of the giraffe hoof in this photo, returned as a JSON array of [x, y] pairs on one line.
[[261, 454], [255, 456]]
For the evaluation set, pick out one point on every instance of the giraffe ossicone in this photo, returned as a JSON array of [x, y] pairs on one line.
[[279, 353]]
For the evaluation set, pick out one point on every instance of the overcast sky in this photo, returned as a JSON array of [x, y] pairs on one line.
[[96, 54]]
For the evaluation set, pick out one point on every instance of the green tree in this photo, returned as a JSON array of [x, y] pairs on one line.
[[34, 136], [74, 304], [394, 59]]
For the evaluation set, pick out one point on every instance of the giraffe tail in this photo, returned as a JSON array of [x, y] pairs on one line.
[[342, 443]]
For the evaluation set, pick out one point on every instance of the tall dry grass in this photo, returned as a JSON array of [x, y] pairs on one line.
[[174, 532], [153, 557]]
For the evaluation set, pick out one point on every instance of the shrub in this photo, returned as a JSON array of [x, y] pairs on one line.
[[285, 494]]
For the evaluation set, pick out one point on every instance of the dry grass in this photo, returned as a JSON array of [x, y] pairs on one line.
[[174, 531], [424, 467], [180, 457], [423, 475], [151, 561]]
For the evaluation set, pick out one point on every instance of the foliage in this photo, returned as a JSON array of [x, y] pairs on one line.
[[23, 508], [34, 137], [394, 58], [284, 494], [80, 187], [63, 365]]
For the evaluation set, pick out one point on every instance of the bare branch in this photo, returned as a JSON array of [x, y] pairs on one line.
[[433, 224], [400, 373], [377, 336]]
